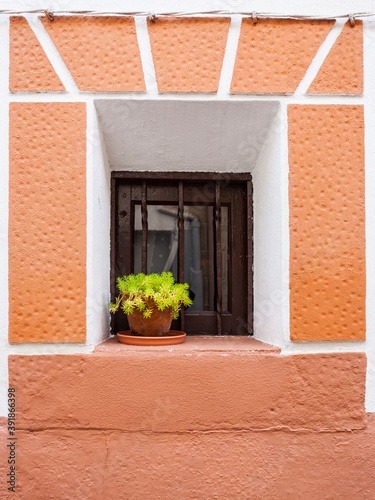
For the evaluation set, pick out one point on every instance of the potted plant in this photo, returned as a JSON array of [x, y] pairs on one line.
[[150, 303]]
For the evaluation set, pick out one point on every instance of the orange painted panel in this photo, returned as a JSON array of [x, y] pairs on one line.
[[274, 54], [327, 222], [29, 67], [101, 53], [188, 53], [342, 70], [47, 222]]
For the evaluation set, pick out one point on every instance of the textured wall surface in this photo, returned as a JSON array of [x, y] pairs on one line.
[[47, 222], [273, 55], [203, 389], [29, 69], [187, 422], [342, 70], [61, 464], [188, 53], [327, 223], [101, 53]]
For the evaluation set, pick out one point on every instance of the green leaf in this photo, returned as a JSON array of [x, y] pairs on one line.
[[144, 292]]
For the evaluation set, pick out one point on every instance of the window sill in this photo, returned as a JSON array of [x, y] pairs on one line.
[[193, 344], [216, 383]]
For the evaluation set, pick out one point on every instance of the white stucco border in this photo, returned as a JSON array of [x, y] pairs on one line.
[[318, 8]]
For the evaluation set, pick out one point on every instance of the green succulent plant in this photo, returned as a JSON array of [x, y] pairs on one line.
[[144, 292]]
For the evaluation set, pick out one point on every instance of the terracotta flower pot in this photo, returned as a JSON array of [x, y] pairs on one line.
[[157, 325]]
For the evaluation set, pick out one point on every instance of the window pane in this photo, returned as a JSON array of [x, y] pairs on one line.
[[199, 249], [200, 256], [162, 239]]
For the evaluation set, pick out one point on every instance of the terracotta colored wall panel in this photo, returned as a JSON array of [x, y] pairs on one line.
[[29, 67], [241, 390], [101, 53], [47, 222], [239, 465], [188, 53], [342, 70], [327, 223], [274, 54]]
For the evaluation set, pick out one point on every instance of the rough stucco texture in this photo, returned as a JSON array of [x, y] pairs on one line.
[[327, 222], [29, 67], [60, 464], [101, 53], [47, 222], [188, 53], [170, 390], [274, 54], [342, 70]]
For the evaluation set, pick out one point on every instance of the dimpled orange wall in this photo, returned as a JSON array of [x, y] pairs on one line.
[[29, 67], [342, 70], [327, 222], [188, 53], [274, 54], [47, 222], [101, 53]]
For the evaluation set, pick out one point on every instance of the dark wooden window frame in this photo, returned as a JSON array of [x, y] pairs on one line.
[[128, 188]]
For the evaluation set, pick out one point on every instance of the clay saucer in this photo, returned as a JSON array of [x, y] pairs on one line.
[[172, 337]]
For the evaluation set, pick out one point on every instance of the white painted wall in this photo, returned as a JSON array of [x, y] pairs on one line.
[[268, 223], [270, 176], [369, 101], [302, 7], [4, 211], [98, 232], [184, 135]]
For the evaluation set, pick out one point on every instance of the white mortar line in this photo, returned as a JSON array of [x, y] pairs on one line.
[[146, 55], [90, 110], [229, 56], [369, 111], [39, 349], [52, 53], [320, 57], [324, 347], [285, 237], [4, 209]]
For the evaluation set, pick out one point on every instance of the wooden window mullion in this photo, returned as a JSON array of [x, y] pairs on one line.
[[218, 256], [181, 243], [249, 226]]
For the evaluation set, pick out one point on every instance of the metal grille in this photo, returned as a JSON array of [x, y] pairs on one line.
[[183, 190]]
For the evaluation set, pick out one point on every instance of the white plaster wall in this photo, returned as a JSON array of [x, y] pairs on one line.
[[4, 194], [184, 134], [98, 171], [268, 223], [369, 100], [302, 7], [98, 232]]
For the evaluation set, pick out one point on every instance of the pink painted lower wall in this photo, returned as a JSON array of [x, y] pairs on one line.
[[204, 420], [96, 464]]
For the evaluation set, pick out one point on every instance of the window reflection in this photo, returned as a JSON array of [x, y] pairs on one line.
[[199, 249]]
